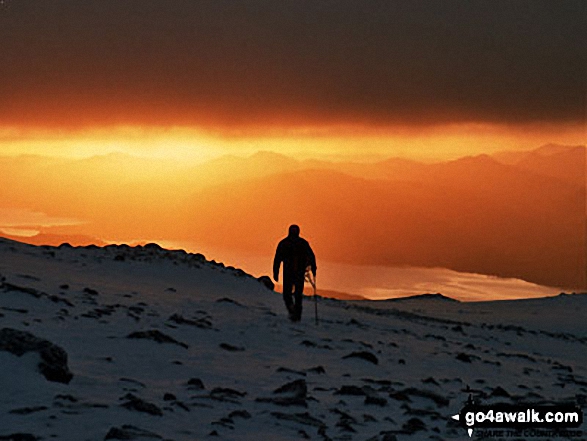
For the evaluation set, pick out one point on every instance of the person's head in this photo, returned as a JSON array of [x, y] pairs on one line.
[[294, 231]]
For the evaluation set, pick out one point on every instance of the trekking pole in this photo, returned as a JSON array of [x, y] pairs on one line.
[[315, 302], [311, 278]]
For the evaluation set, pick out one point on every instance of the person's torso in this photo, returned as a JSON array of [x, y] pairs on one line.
[[295, 254]]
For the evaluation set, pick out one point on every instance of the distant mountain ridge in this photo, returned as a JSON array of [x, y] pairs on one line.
[[519, 215]]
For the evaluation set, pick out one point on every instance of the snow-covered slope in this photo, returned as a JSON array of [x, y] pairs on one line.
[[166, 345]]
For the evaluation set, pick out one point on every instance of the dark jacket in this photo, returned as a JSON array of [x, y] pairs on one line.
[[296, 254]]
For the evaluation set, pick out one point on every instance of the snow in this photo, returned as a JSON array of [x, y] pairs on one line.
[[430, 353]]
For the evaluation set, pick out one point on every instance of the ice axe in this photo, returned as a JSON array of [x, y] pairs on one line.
[[311, 278]]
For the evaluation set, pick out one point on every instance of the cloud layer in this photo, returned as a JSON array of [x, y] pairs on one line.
[[262, 62]]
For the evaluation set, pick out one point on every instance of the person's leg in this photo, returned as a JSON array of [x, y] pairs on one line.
[[298, 295], [288, 287]]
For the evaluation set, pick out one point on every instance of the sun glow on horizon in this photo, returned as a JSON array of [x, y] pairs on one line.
[[339, 143]]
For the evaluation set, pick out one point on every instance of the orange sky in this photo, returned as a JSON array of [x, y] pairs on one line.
[[121, 101]]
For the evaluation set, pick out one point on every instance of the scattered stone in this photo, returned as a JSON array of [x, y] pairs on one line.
[[203, 323], [291, 394], [128, 432], [91, 291], [384, 436], [19, 437], [430, 380], [230, 348], [130, 380], [224, 422], [226, 394], [375, 400], [169, 397], [303, 434], [302, 418], [156, 336], [345, 426], [499, 392], [438, 399], [28, 410], [290, 371], [228, 300], [138, 404], [240, 414], [356, 323], [413, 425], [317, 370], [53, 364], [26, 290], [297, 387], [196, 383], [18, 310], [369, 418], [363, 355], [350, 390], [66, 397], [465, 358]]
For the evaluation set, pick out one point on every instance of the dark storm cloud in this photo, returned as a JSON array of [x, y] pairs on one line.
[[253, 62]]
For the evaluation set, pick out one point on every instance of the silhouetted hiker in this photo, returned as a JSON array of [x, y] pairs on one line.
[[296, 254]]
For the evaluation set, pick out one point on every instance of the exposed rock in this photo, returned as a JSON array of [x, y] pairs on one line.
[[240, 414], [302, 418], [19, 437], [228, 300], [128, 432], [413, 425], [153, 246], [203, 323], [26, 290], [290, 394], [28, 410], [226, 394], [350, 390], [91, 291], [53, 364], [297, 388], [135, 403], [156, 336], [196, 383], [230, 348], [363, 355], [438, 399], [465, 358], [384, 436], [266, 280], [375, 400], [499, 392], [430, 380], [291, 371], [317, 370]]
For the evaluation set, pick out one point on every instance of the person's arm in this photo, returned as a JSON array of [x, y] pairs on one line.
[[277, 262]]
